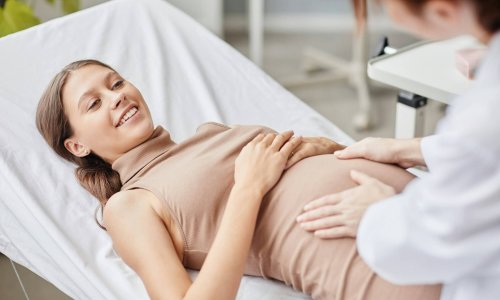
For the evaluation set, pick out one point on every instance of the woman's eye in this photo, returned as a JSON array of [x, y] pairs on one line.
[[94, 104], [118, 84]]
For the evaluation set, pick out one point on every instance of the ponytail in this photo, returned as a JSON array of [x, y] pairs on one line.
[[97, 177]]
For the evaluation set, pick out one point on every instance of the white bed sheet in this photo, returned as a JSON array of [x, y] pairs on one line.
[[187, 75]]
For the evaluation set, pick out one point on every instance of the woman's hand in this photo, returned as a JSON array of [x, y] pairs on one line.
[[338, 215], [262, 161], [312, 146], [405, 153]]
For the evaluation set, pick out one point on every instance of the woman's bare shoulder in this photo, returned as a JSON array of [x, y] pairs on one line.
[[125, 203]]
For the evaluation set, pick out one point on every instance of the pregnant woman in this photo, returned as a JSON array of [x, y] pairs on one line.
[[224, 201]]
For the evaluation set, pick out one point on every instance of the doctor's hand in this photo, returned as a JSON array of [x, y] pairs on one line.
[[262, 161], [312, 146], [404, 152], [338, 215]]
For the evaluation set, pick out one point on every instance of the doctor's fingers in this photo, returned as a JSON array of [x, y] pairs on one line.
[[335, 232], [362, 178], [281, 139], [331, 199], [323, 223], [318, 213], [353, 151], [366, 180], [360, 149]]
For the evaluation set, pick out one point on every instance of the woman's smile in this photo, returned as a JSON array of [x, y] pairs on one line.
[[128, 114]]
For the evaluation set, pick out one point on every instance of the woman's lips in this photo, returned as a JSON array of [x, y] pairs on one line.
[[129, 114]]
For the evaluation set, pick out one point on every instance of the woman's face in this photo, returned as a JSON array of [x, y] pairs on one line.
[[108, 114], [438, 19]]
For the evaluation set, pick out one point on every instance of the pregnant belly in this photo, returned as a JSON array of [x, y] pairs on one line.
[[324, 174], [284, 251]]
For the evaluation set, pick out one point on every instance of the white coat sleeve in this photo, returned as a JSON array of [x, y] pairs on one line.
[[443, 226]]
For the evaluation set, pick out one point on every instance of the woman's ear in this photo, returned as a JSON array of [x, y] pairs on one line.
[[76, 148]]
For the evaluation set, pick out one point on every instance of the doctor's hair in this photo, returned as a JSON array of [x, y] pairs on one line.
[[93, 173], [487, 11]]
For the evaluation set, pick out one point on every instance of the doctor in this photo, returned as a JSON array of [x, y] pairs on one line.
[[445, 227]]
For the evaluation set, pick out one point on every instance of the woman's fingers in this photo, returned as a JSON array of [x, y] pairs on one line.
[[290, 146], [312, 146], [268, 139], [280, 139], [304, 150], [275, 140], [258, 165], [258, 138], [325, 200], [296, 156]]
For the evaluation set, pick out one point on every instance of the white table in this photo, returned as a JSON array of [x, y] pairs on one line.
[[427, 69]]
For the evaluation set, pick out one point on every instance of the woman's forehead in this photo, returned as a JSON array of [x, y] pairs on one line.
[[83, 80], [87, 76]]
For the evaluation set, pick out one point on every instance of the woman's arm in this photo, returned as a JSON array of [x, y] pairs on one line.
[[257, 169], [141, 239], [221, 273]]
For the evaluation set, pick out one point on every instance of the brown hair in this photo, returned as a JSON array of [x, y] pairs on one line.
[[487, 11], [93, 173]]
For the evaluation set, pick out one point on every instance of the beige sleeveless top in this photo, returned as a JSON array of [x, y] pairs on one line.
[[193, 180]]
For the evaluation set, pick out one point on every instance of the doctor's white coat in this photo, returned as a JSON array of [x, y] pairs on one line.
[[445, 227]]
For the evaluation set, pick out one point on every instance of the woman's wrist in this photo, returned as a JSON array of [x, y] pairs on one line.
[[248, 190]]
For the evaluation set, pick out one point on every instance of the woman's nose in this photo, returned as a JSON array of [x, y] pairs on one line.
[[117, 99]]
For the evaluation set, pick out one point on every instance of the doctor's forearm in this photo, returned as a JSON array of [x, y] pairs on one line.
[[409, 152]]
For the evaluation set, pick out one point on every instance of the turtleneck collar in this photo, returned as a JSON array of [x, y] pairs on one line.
[[131, 162]]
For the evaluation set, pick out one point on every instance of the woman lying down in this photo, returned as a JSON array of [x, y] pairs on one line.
[[224, 201]]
